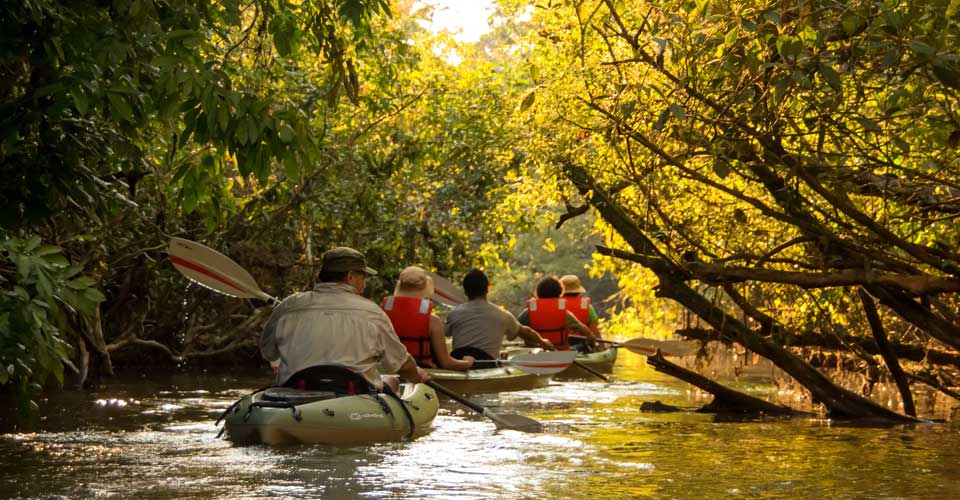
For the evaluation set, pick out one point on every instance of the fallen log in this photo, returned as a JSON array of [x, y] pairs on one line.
[[725, 400]]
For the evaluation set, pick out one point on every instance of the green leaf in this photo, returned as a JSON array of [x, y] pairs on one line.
[[922, 48], [677, 111], [527, 101], [93, 295], [223, 115], [292, 167], [80, 100], [286, 133], [789, 47], [851, 23], [739, 216], [947, 69], [81, 283], [47, 250], [831, 77], [772, 16], [721, 167], [119, 107], [868, 124], [953, 8], [731, 36]]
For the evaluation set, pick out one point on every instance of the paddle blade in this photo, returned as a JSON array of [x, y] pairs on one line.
[[648, 347], [445, 291], [543, 363], [212, 269], [513, 421]]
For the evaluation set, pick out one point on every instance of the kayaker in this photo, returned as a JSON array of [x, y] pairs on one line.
[[420, 330], [550, 315], [334, 325], [572, 288], [478, 327]]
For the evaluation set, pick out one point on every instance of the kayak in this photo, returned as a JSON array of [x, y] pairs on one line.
[[486, 380], [601, 361], [279, 415]]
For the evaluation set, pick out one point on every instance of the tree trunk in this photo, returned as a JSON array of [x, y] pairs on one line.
[[876, 326], [725, 400]]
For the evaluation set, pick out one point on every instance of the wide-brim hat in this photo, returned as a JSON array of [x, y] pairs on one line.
[[344, 259], [571, 284]]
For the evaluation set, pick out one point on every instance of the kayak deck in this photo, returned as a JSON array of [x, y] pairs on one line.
[[339, 421]]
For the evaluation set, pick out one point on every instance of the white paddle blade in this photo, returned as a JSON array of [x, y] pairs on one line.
[[212, 269], [445, 291], [648, 347], [543, 363]]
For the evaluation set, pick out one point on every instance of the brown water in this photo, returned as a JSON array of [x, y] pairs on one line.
[[154, 439]]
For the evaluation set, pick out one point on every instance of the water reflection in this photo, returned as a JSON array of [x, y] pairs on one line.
[[155, 440]]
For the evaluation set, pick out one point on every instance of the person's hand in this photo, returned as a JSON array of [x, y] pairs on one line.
[[546, 344], [470, 360], [422, 375]]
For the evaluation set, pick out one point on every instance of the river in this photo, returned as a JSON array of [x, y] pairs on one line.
[[153, 438]]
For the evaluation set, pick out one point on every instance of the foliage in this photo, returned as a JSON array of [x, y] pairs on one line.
[[43, 296]]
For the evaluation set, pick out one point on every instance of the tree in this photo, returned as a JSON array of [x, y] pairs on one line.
[[787, 154]]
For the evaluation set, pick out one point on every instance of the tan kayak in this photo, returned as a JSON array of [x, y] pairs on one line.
[[486, 380], [601, 361]]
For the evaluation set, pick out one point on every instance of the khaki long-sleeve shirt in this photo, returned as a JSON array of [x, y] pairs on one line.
[[332, 325]]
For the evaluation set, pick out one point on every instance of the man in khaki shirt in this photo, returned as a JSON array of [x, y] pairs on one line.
[[335, 325]]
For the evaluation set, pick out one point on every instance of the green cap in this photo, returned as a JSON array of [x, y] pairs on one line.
[[343, 259]]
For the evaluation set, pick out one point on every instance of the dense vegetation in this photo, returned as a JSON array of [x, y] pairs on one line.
[[784, 171]]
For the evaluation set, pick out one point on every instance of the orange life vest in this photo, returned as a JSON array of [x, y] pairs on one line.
[[549, 318], [580, 307], [411, 320]]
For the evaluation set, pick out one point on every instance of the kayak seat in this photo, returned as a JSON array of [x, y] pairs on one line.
[[295, 396], [330, 378]]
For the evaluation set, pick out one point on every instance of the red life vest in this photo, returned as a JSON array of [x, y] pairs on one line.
[[580, 307], [411, 320], [549, 318]]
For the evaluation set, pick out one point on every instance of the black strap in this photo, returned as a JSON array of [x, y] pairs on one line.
[[420, 356], [234, 405], [389, 392]]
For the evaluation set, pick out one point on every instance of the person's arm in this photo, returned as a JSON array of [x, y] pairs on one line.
[[530, 335], [578, 328], [439, 345], [593, 322], [268, 338], [410, 371]]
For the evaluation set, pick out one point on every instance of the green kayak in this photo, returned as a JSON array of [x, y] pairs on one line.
[[486, 380], [278, 416]]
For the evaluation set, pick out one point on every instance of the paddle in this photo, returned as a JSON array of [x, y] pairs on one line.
[[216, 271], [539, 363], [501, 420], [210, 268], [445, 291], [648, 347]]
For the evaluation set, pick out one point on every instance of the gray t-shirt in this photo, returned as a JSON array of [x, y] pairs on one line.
[[481, 325]]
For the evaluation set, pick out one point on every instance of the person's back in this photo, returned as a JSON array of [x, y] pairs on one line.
[[548, 313], [582, 308], [335, 325], [418, 328], [478, 327]]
